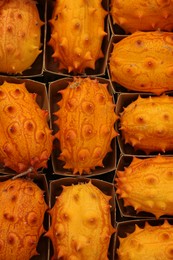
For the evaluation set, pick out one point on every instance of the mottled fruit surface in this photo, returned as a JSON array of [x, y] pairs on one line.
[[86, 124], [81, 223], [137, 15], [20, 28], [150, 242], [25, 137], [22, 210], [77, 32], [147, 124], [143, 62], [146, 185]]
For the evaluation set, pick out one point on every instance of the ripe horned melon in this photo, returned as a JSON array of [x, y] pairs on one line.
[[86, 124], [150, 242], [137, 15], [20, 35], [147, 124], [22, 210], [143, 62], [77, 31], [154, 177], [81, 223], [25, 137]]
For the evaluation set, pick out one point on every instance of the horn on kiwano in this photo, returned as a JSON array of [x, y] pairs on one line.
[[81, 223], [25, 137], [86, 120], [77, 32]]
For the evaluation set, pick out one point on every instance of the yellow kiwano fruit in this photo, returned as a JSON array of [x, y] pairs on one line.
[[81, 223]]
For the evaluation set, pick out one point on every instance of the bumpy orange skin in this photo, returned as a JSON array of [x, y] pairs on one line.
[[150, 242], [152, 176], [81, 223], [147, 124], [22, 210], [25, 137], [86, 124], [135, 15], [20, 28], [143, 62], [77, 31]]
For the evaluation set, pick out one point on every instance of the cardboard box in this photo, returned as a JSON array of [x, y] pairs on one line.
[[51, 67], [110, 159], [127, 227], [41, 182], [33, 87], [105, 187]]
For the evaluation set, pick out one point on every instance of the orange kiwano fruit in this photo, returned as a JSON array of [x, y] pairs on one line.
[[77, 32], [150, 242], [22, 210], [81, 223], [25, 137], [143, 62], [86, 124], [137, 15], [20, 28]]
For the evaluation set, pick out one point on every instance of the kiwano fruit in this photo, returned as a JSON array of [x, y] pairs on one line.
[[77, 32], [154, 177], [137, 15], [147, 124], [22, 210], [143, 62], [81, 223], [25, 137], [86, 124], [150, 242], [20, 28]]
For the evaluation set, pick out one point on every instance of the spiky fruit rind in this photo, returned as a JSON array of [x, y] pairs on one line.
[[22, 210], [150, 242], [26, 139], [139, 16], [147, 123], [86, 124], [154, 177], [81, 223], [77, 32], [20, 35], [142, 62]]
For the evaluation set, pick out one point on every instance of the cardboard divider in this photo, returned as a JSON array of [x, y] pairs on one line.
[[41, 182], [127, 227], [53, 95], [41, 99], [51, 67], [105, 187]]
